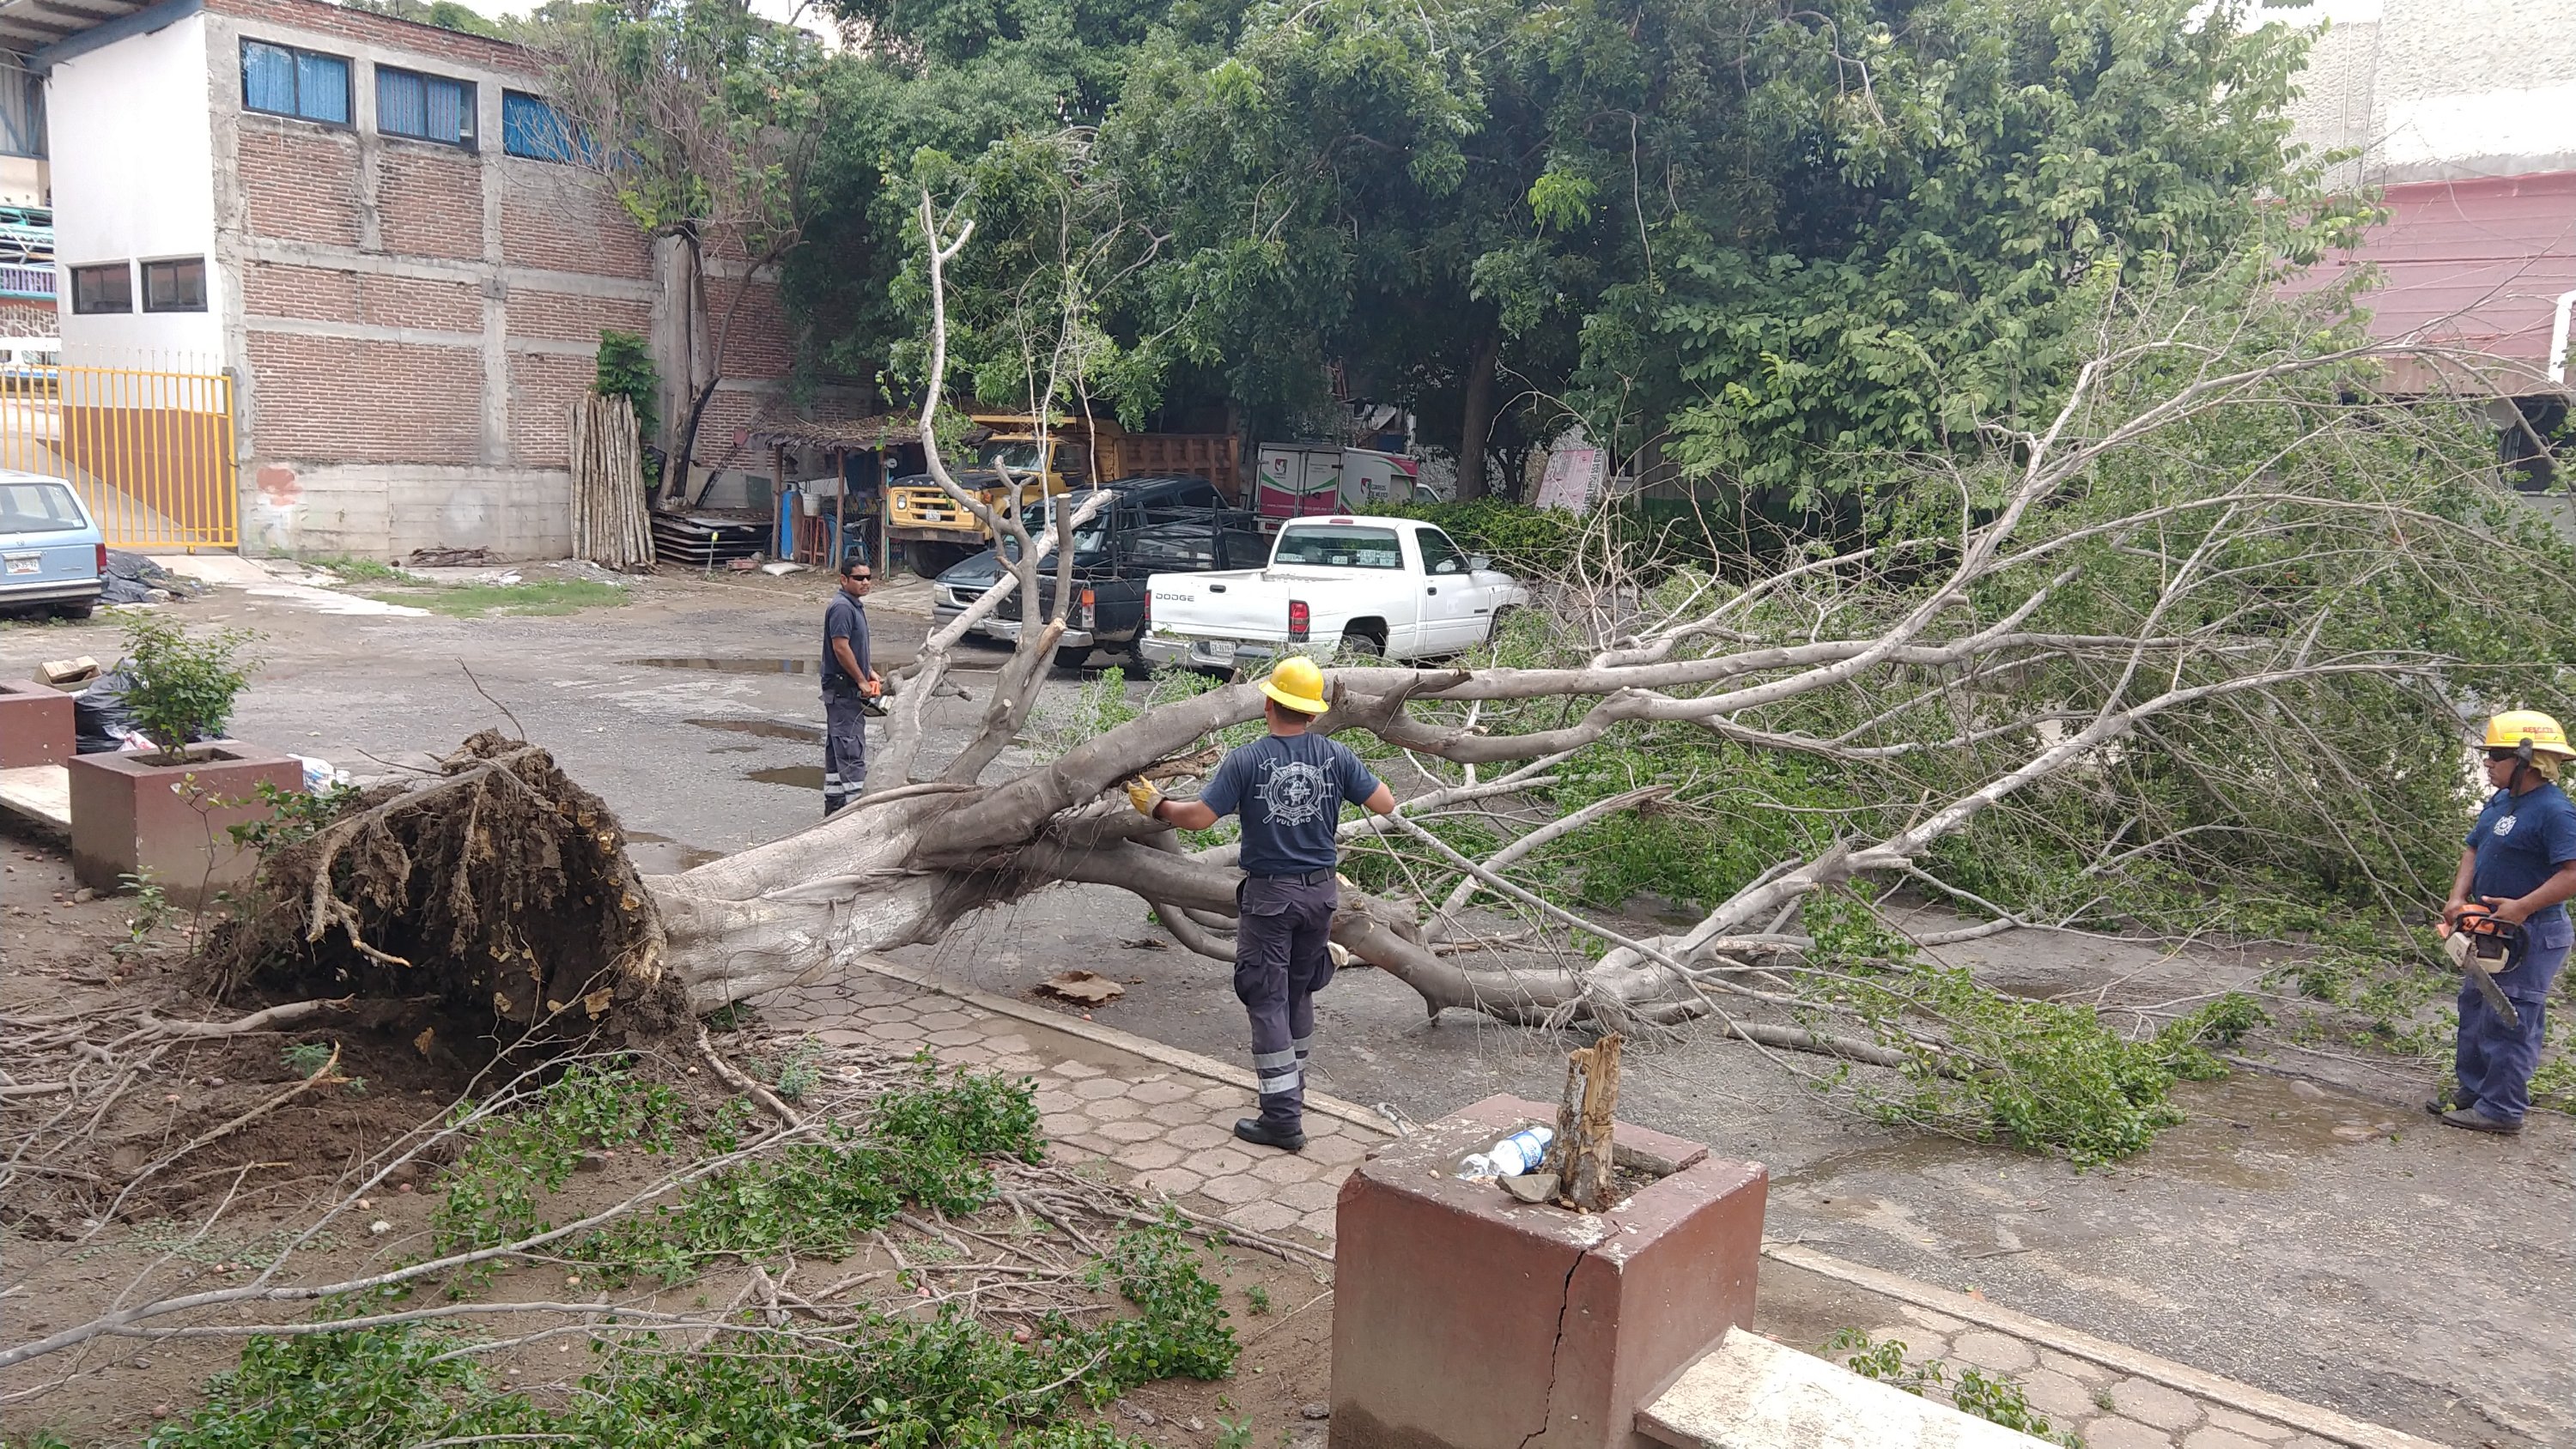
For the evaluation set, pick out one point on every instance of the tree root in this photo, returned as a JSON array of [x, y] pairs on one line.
[[500, 886]]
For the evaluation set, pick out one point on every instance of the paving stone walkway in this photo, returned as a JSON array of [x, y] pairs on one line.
[[1166, 1117]]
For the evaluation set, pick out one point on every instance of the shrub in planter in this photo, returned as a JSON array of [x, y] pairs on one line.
[[184, 684], [167, 814]]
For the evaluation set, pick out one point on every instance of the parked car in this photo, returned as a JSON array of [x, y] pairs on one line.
[[1166, 524], [52, 554], [1393, 587]]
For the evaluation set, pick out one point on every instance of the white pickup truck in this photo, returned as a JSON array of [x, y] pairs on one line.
[[1393, 587]]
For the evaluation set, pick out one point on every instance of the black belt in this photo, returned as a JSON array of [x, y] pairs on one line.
[[1312, 877]]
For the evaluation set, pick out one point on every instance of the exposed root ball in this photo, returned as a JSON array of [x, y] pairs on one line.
[[501, 887]]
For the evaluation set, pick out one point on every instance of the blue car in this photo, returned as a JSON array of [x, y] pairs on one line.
[[52, 554]]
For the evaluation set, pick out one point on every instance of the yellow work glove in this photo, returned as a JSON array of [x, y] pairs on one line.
[[1143, 796]]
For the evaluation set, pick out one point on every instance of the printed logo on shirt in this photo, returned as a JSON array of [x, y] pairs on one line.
[[2504, 826], [1294, 792]]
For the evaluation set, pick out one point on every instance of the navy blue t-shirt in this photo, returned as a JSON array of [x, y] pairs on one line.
[[1289, 789], [844, 620], [2521, 840]]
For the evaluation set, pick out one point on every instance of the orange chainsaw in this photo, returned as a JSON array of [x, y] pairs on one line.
[[2478, 937]]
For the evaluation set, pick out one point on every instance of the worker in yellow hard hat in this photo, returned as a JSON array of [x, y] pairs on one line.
[[1290, 788], [2520, 866]]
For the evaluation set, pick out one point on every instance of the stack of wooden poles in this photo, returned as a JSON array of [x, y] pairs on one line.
[[609, 526]]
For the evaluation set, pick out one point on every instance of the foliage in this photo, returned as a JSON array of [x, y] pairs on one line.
[[364, 570], [445, 14], [151, 912], [293, 816], [183, 685], [530, 1147], [923, 1143], [889, 1381], [1994, 1397], [626, 370], [545, 598]]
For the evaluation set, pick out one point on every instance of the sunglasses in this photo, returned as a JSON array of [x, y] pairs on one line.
[[2500, 756], [860, 578]]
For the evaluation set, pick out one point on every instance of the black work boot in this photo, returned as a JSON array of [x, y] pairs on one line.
[[1261, 1131], [2449, 1098], [2470, 1118]]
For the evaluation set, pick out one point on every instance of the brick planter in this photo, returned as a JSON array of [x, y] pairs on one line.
[[35, 725], [1465, 1320], [128, 817]]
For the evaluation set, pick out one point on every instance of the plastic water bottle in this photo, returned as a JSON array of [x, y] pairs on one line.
[[1521, 1152]]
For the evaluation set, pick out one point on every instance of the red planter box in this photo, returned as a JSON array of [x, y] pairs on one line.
[[35, 725], [130, 816], [1465, 1320]]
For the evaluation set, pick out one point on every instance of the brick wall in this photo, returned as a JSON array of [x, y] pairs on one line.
[[320, 294], [299, 181], [554, 219], [429, 201], [341, 236], [758, 344], [542, 388], [368, 29], [353, 400], [569, 317]]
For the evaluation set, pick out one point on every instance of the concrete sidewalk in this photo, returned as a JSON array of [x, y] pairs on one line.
[[1165, 1117]]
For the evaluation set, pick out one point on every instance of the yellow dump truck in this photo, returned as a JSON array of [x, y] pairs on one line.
[[936, 533]]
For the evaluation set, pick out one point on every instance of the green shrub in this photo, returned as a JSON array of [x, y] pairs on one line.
[[184, 685]]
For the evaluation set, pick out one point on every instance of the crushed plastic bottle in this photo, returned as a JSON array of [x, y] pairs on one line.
[[1521, 1152]]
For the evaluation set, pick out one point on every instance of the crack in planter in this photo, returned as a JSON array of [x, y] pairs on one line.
[[1556, 1350]]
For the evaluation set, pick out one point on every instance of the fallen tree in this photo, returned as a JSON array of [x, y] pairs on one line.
[[2219, 560]]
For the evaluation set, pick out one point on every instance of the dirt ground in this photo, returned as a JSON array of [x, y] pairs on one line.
[[2309, 1230]]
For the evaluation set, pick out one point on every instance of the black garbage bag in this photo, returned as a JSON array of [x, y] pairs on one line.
[[131, 578], [101, 724]]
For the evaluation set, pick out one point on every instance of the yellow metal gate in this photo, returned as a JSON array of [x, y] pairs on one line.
[[150, 451]]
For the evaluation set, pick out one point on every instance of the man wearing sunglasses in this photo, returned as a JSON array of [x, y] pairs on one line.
[[2520, 862], [849, 682]]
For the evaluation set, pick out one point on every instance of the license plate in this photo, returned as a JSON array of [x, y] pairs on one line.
[[26, 563], [1219, 650]]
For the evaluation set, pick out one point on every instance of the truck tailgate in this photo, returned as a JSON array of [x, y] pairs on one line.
[[1242, 604]]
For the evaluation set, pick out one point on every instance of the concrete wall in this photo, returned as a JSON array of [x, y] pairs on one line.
[[2439, 90], [132, 160]]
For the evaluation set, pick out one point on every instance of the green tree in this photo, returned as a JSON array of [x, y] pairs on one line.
[[704, 121]]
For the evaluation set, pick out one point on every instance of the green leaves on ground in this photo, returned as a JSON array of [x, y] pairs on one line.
[[888, 1380]]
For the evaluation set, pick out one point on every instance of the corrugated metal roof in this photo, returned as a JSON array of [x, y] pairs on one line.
[[849, 435], [2474, 264]]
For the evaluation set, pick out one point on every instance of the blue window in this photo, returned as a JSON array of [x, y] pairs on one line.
[[287, 82], [536, 130], [424, 107]]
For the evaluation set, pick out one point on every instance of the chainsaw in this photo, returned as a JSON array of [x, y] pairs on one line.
[[2478, 937]]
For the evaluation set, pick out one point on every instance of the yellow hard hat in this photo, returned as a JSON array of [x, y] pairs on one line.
[[2515, 726], [1296, 683]]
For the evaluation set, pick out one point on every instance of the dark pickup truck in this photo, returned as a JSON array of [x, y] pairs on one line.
[[1154, 526]]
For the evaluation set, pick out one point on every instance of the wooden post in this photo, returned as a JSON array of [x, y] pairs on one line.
[[1581, 1154]]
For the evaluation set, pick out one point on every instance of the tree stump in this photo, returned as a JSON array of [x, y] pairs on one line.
[[1581, 1154]]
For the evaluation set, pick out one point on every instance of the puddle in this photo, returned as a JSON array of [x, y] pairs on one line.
[[803, 777], [767, 729], [661, 855], [1648, 906], [732, 666]]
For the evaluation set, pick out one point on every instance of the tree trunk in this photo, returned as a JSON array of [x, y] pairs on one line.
[[1476, 415]]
